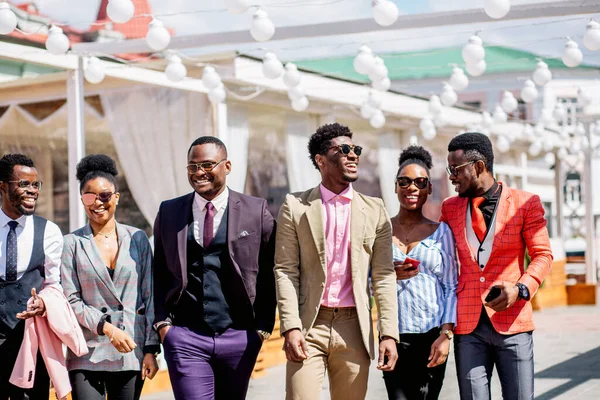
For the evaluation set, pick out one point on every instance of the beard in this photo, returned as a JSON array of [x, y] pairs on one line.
[[15, 200], [350, 179]]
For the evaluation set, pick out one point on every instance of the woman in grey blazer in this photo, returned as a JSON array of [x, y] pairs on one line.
[[107, 277]]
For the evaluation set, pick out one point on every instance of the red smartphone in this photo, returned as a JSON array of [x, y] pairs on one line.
[[412, 261]]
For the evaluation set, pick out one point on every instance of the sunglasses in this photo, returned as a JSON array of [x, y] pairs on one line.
[[347, 148], [454, 169], [23, 184], [206, 166], [90, 198], [404, 182]]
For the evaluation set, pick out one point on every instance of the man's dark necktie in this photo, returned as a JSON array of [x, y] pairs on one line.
[[209, 220], [11, 252]]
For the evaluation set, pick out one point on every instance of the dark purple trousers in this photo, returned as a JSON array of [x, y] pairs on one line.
[[203, 367]]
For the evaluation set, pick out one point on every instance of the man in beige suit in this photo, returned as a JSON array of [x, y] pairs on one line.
[[330, 239]]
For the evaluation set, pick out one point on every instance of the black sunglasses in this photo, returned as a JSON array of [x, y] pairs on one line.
[[453, 170], [206, 166], [23, 184], [347, 148], [90, 198], [404, 182]]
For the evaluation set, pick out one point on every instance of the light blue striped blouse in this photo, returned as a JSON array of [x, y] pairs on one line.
[[428, 300]]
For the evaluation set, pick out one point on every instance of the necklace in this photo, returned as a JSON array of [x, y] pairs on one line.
[[105, 243], [411, 231]]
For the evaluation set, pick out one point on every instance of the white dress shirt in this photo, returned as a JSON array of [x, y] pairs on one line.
[[199, 212], [53, 246]]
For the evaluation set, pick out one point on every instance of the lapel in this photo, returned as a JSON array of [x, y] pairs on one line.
[[124, 245], [502, 216], [184, 218], [314, 216], [93, 254], [462, 205], [358, 218], [233, 219]]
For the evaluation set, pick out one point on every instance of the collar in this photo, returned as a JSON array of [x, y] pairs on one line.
[[220, 202], [5, 219], [493, 192], [327, 195]]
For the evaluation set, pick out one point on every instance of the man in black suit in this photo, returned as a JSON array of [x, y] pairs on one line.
[[213, 280]]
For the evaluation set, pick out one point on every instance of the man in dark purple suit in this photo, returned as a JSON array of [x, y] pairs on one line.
[[213, 280]]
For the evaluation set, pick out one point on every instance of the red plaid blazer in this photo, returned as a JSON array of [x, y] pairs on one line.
[[520, 225]]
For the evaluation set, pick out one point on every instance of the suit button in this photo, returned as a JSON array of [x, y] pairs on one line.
[[482, 266], [19, 302], [104, 309], [2, 302], [482, 279], [120, 307], [205, 302], [121, 327], [18, 286]]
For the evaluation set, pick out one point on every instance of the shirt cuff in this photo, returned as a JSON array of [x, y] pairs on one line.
[[104, 319]]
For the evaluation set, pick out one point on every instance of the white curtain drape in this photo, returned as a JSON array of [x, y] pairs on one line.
[[302, 175], [389, 149], [235, 134], [152, 129]]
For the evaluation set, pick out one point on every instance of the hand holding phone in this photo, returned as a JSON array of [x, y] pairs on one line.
[[494, 293], [415, 263]]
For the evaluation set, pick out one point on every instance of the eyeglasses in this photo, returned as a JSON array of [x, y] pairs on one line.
[[23, 184], [206, 166], [404, 182], [454, 170], [90, 198], [347, 148]]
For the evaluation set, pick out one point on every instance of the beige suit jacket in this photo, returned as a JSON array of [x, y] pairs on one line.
[[301, 265]]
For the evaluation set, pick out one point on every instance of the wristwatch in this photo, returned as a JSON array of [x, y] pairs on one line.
[[448, 333], [265, 335], [523, 291]]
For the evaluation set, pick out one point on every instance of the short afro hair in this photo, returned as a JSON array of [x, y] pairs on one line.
[[97, 166], [8, 163], [320, 141], [415, 155], [476, 146], [206, 140]]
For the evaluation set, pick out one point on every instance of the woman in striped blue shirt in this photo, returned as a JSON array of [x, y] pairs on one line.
[[426, 270]]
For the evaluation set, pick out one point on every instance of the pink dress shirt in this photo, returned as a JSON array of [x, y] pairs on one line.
[[336, 219]]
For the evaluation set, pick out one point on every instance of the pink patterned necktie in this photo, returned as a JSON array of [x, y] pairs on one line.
[[209, 220]]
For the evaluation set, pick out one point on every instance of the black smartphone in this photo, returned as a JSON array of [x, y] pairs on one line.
[[494, 292]]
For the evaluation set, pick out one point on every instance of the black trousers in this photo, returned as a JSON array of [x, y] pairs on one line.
[[10, 344], [97, 385], [411, 379]]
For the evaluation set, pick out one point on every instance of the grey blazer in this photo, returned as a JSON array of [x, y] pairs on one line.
[[127, 297]]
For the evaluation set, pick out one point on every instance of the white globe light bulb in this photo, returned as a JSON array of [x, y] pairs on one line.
[[548, 143], [300, 104], [57, 42], [94, 71], [499, 116], [374, 101], [217, 95], [473, 51], [429, 134], [364, 60], [591, 40], [572, 56], [377, 120], [237, 6], [439, 119], [426, 124], [535, 148], [550, 159], [158, 37], [413, 140], [296, 93], [486, 120], [527, 132], [120, 11], [529, 92], [382, 84], [458, 79], [175, 70], [385, 12], [502, 144], [210, 78], [379, 70], [366, 110], [435, 105], [546, 117], [562, 153], [584, 98], [542, 74], [8, 19], [291, 76], [559, 112], [272, 68], [263, 28], [448, 96], [477, 69], [496, 8], [509, 102]]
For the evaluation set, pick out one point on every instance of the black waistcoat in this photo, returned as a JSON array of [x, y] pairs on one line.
[[14, 295]]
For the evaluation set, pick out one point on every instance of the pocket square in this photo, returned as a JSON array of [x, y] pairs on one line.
[[243, 234]]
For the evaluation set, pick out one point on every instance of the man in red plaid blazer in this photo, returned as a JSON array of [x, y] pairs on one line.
[[493, 226]]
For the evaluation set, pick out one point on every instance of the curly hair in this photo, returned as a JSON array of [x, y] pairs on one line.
[[97, 166], [8, 163], [320, 141], [415, 155], [209, 139], [476, 146]]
